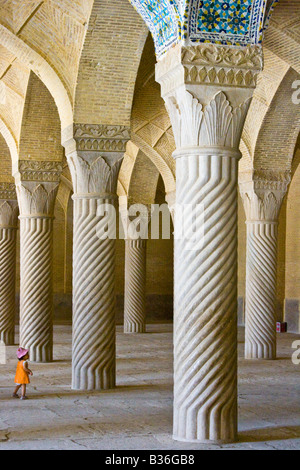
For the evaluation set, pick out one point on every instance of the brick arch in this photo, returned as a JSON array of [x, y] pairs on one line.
[[109, 64], [10, 141], [143, 181], [43, 70], [269, 81], [277, 138], [41, 120]]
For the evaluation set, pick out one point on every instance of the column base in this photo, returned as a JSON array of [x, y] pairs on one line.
[[205, 441], [8, 339], [131, 329], [92, 382], [43, 356], [257, 354]]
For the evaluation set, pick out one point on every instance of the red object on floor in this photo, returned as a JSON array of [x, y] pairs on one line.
[[281, 327]]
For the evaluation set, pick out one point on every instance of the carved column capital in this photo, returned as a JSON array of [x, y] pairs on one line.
[[262, 193], [9, 209], [37, 184], [207, 90], [94, 153]]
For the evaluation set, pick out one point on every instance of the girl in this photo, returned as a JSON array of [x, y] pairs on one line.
[[22, 374]]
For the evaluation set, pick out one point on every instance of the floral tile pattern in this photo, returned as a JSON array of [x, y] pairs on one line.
[[160, 17], [231, 22]]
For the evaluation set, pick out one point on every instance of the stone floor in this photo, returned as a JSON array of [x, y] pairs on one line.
[[138, 413]]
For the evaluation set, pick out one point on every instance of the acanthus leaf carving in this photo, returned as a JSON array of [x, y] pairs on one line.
[[38, 202], [95, 177], [217, 118], [263, 207], [216, 124], [9, 211]]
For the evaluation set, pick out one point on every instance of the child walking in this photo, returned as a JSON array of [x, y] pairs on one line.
[[22, 374]]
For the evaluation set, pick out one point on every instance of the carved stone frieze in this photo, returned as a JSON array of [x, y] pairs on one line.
[[210, 64], [8, 191], [46, 171], [99, 137]]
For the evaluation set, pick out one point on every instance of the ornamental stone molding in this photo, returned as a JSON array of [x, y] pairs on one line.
[[45, 171], [101, 138], [210, 65], [8, 191]]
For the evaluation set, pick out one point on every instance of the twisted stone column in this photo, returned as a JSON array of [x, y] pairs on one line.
[[135, 286], [9, 211], [94, 159], [262, 199], [37, 185], [93, 299], [207, 122]]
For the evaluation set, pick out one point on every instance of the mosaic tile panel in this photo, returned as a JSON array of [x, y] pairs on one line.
[[230, 22], [160, 17]]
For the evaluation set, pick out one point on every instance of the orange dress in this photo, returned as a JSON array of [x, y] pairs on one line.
[[21, 376]]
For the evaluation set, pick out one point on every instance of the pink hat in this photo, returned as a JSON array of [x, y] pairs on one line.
[[22, 352]]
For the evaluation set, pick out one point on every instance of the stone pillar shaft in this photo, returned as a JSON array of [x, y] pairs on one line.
[[36, 305], [93, 300], [8, 237], [7, 284], [135, 286], [94, 154], [207, 118], [37, 185], [262, 193], [261, 273], [205, 299]]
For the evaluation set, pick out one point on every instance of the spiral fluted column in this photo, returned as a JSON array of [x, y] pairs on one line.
[[135, 286], [94, 155], [8, 234], [93, 300], [37, 186], [262, 197], [261, 273], [205, 298], [36, 306], [207, 122]]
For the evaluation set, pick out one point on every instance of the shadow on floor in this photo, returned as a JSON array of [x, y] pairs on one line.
[[270, 434]]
